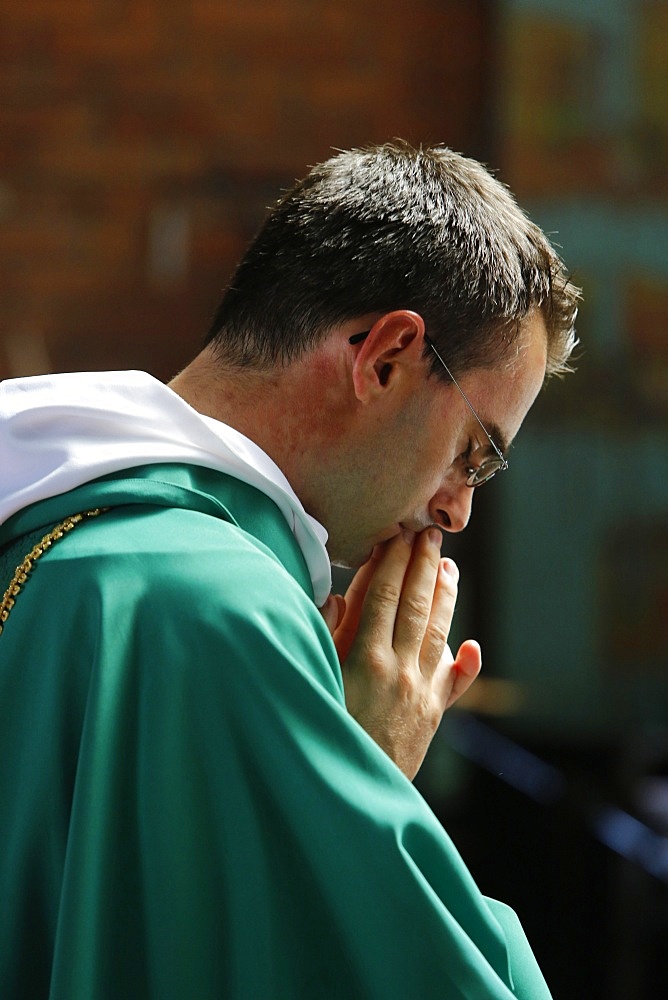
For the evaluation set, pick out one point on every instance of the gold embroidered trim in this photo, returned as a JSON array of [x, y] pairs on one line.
[[22, 570]]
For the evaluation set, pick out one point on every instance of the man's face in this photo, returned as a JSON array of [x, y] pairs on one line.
[[409, 471]]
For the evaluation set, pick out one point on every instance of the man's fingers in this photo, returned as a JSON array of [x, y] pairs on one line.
[[348, 624], [464, 670], [359, 585], [440, 619], [417, 597], [333, 611], [445, 597], [384, 592]]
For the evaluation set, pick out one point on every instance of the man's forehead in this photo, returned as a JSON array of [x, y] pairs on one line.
[[503, 394]]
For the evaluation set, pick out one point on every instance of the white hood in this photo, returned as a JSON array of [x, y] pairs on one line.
[[58, 432]]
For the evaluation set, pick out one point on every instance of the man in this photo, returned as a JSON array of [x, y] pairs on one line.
[[202, 791]]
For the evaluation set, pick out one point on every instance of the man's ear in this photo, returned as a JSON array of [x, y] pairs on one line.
[[391, 352]]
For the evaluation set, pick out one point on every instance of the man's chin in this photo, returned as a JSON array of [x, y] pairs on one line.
[[351, 560], [350, 563], [354, 561]]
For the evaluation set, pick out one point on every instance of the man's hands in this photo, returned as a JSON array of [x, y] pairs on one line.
[[391, 635]]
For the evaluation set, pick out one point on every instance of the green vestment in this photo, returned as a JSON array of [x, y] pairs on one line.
[[187, 811]]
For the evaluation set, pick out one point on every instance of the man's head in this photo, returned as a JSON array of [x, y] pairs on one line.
[[323, 350], [391, 227]]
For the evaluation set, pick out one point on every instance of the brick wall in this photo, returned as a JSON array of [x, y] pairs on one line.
[[140, 141]]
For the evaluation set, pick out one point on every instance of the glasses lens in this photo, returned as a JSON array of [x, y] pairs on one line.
[[484, 472]]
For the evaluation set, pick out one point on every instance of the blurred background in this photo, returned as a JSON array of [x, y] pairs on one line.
[[140, 144]]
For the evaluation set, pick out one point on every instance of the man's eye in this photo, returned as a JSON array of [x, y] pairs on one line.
[[465, 457], [472, 447]]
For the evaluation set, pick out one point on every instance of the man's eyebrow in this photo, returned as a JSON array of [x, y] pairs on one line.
[[498, 438]]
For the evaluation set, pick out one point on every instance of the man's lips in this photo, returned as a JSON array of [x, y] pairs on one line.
[[415, 526]]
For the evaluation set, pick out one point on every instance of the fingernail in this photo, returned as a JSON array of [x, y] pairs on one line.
[[450, 567], [408, 536], [435, 537]]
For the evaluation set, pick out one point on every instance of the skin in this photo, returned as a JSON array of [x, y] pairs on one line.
[[391, 633], [374, 448]]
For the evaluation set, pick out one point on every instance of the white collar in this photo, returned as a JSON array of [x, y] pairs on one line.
[[60, 431]]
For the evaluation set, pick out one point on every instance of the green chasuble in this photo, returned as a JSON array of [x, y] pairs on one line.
[[187, 811]]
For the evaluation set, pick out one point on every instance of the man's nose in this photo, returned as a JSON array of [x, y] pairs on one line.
[[451, 507]]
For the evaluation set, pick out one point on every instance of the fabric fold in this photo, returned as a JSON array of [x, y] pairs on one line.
[[60, 431]]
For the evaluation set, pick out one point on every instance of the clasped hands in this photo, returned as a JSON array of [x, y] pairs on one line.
[[391, 635]]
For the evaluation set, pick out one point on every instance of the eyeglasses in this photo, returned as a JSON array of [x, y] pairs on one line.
[[476, 475]]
